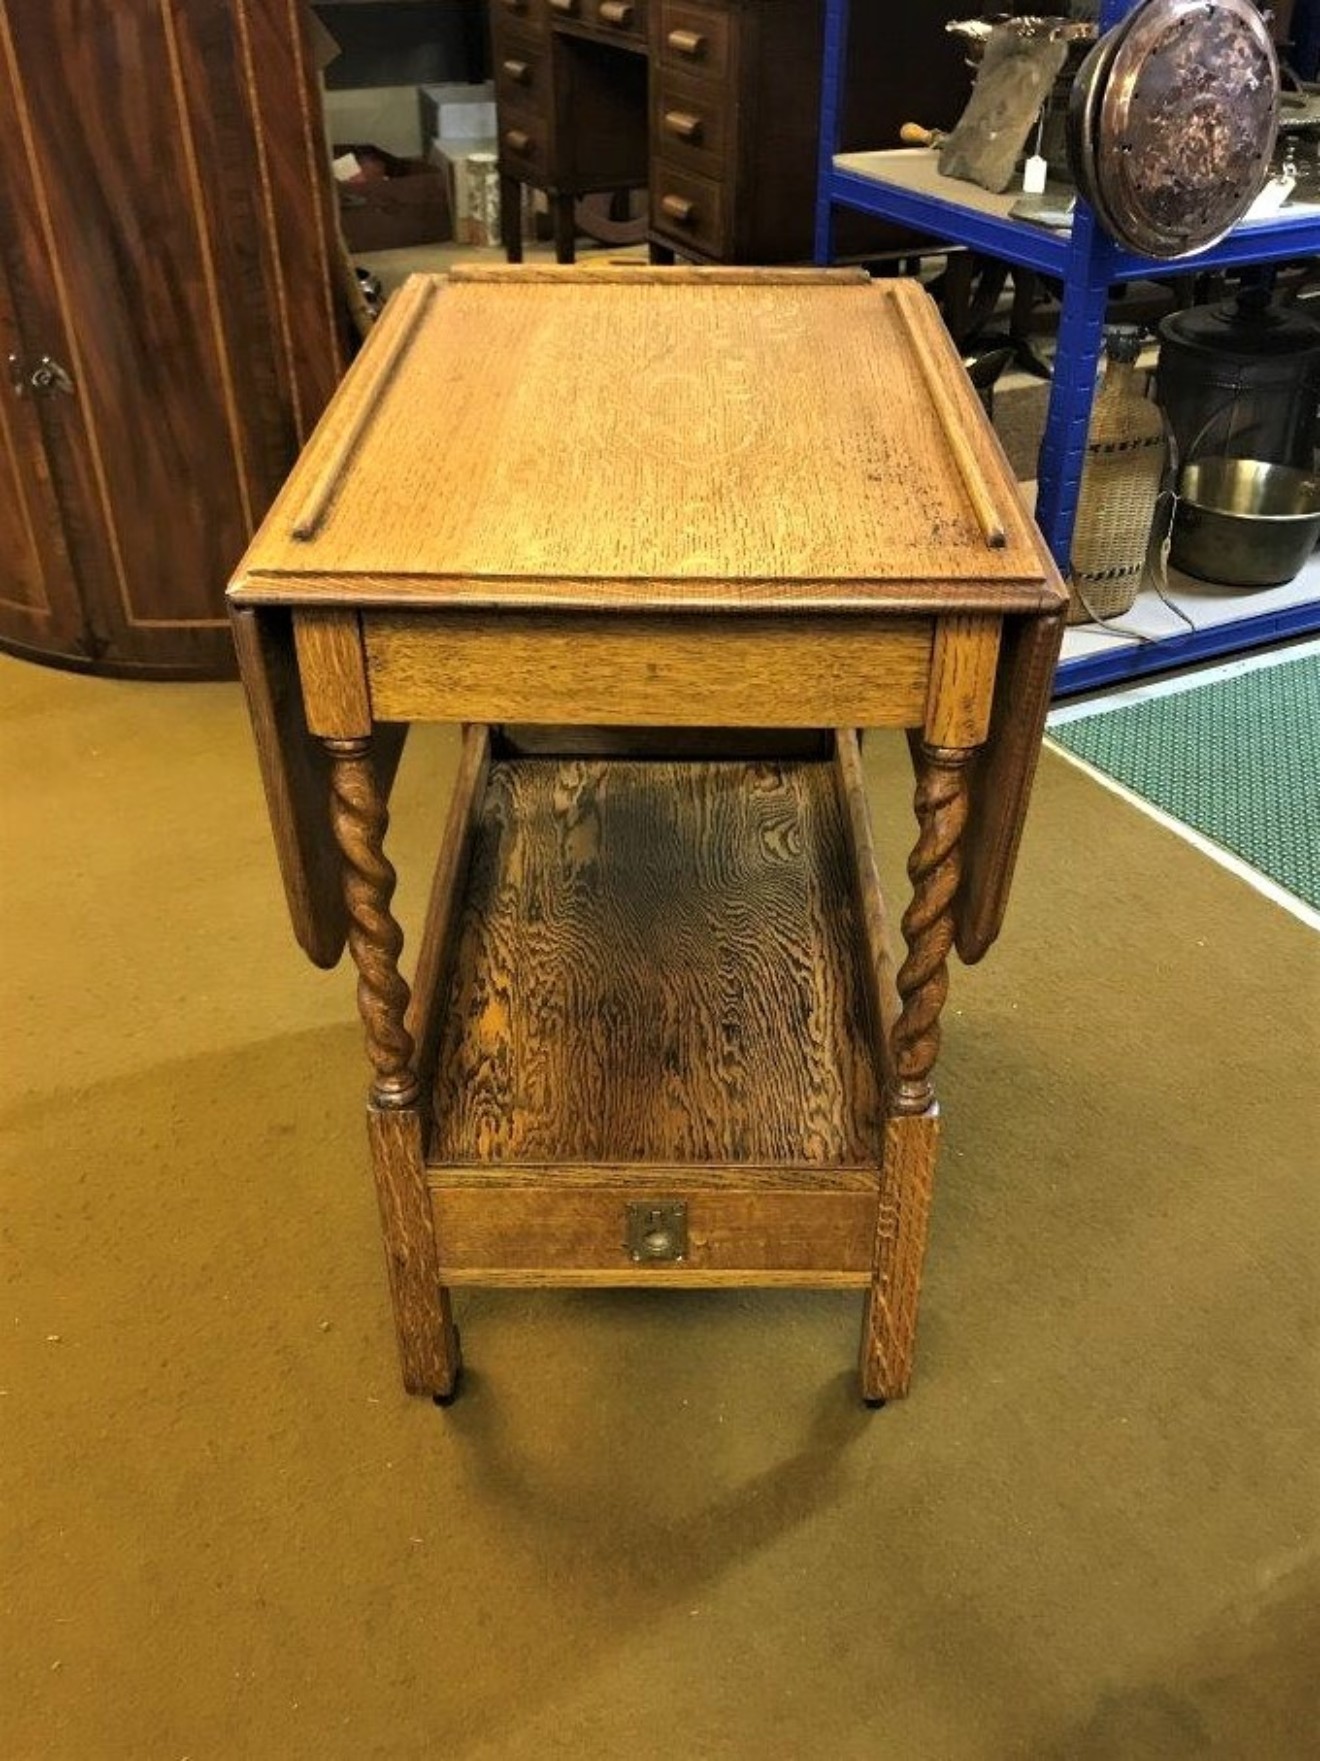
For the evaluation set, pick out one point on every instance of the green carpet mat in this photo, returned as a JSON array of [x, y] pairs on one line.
[[1238, 759]]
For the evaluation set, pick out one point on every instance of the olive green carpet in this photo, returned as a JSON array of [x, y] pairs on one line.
[[655, 1524], [1236, 758]]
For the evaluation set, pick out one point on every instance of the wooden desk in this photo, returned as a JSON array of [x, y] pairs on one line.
[[639, 530], [713, 104]]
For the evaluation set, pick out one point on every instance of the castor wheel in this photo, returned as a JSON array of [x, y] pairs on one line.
[[874, 1405], [454, 1392]]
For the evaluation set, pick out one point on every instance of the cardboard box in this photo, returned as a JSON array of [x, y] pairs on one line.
[[457, 112], [399, 202], [386, 115]]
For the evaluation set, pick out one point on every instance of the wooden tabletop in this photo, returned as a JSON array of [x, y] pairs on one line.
[[654, 440]]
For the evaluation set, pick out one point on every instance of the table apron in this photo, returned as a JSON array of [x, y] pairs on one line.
[[784, 670]]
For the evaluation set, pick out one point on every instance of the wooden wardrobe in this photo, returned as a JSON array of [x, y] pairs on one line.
[[171, 318]]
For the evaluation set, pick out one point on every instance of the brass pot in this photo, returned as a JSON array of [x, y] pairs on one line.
[[1245, 523]]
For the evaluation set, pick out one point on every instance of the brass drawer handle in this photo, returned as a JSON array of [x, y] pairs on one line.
[[689, 43], [518, 140], [615, 12], [683, 124], [518, 71], [678, 208]]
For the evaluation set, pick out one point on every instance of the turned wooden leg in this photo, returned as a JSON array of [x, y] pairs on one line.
[[428, 1344], [912, 1130], [511, 218], [565, 217], [423, 1321]]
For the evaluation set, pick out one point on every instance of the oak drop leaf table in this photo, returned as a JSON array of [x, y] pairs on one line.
[[662, 541]]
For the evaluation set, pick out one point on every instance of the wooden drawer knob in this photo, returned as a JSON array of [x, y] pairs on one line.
[[678, 208], [683, 124], [563, 5], [690, 43], [519, 72], [615, 12], [518, 140]]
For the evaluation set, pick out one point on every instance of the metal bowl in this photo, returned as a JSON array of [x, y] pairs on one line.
[[1244, 523]]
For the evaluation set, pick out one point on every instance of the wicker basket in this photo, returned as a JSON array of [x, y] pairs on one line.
[[1126, 454]]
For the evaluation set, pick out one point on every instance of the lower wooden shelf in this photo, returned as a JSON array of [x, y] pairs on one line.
[[651, 990]]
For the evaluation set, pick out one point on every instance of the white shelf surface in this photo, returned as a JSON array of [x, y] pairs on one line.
[[1207, 606]]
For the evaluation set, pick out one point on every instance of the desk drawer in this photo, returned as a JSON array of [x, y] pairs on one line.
[[695, 39], [522, 74], [524, 143], [625, 19], [690, 125], [689, 209], [530, 14]]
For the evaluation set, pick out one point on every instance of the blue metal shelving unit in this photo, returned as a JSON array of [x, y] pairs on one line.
[[1088, 264]]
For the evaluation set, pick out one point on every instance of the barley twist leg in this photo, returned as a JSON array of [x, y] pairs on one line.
[[424, 1324], [934, 869], [375, 940]]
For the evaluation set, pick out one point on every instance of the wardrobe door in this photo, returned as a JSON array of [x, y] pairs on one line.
[[40, 609], [181, 195]]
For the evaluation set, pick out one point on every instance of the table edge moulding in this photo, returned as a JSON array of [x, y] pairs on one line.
[[896, 185], [654, 1032]]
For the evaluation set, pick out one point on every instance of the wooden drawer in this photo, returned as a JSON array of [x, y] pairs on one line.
[[522, 73], [691, 124], [695, 39], [524, 143], [688, 208], [530, 14], [487, 1233], [625, 19]]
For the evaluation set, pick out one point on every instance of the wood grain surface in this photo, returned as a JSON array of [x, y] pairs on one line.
[[1003, 777], [295, 772], [711, 433], [424, 1019], [757, 671], [962, 681], [877, 942], [559, 1229], [889, 1325], [423, 1323], [657, 963], [334, 674]]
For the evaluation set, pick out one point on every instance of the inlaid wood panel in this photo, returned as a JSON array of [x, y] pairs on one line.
[[136, 270], [39, 602], [657, 963], [32, 559]]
